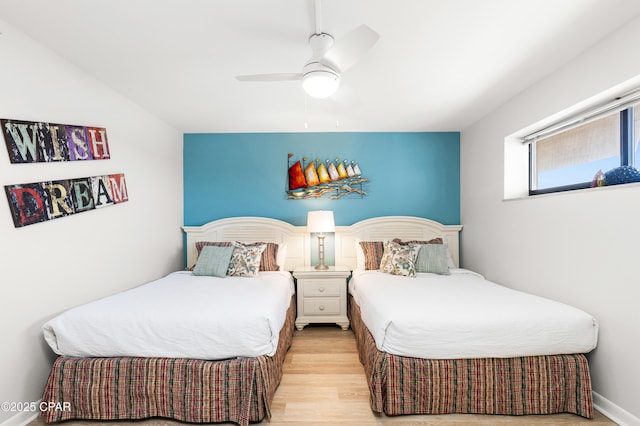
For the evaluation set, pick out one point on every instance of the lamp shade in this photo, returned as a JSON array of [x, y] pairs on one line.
[[320, 221]]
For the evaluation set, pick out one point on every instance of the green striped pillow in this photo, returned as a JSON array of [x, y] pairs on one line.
[[432, 258], [213, 261]]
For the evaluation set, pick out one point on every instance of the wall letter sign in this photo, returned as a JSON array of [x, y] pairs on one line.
[[35, 142], [37, 202]]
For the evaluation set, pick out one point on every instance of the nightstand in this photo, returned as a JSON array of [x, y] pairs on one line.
[[322, 296]]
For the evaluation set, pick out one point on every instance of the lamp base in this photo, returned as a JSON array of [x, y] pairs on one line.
[[321, 267]]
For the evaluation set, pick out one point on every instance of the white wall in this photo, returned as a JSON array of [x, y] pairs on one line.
[[580, 247], [48, 267]]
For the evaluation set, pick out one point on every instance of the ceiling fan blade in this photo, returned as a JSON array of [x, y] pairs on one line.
[[270, 77], [348, 50]]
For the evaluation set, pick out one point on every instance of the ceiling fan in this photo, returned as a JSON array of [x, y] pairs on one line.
[[321, 74]]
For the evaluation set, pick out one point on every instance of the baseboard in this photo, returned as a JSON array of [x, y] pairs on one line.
[[615, 413], [22, 418]]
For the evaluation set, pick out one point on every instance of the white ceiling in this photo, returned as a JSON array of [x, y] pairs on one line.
[[440, 65]]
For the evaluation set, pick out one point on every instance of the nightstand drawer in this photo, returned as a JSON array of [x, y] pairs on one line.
[[322, 306], [322, 288]]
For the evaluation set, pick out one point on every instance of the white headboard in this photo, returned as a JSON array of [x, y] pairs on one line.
[[252, 229], [390, 227]]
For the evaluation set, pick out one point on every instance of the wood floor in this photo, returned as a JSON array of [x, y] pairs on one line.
[[324, 384]]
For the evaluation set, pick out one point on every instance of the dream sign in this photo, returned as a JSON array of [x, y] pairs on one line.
[[42, 201]]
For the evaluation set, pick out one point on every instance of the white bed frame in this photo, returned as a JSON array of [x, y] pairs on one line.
[[390, 227], [251, 229]]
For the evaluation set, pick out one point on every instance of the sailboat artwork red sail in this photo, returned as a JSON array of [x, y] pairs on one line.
[[324, 179]]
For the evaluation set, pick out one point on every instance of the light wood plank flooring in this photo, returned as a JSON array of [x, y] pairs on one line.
[[324, 384]]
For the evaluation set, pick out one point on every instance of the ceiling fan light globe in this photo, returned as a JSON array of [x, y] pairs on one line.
[[320, 84]]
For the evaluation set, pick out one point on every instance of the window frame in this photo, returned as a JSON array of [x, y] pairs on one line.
[[626, 156]]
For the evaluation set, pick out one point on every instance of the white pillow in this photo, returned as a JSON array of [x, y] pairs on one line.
[[282, 255], [450, 261], [359, 256]]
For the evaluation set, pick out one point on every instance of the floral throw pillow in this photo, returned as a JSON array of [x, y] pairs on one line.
[[269, 258], [399, 259], [245, 260]]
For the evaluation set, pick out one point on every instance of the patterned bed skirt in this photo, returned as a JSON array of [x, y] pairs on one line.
[[195, 391], [511, 386]]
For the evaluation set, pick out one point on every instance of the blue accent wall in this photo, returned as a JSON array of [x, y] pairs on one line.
[[245, 174]]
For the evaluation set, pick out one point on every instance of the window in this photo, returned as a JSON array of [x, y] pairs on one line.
[[568, 155]]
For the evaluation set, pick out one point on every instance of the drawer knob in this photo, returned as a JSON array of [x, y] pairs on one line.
[[321, 289], [321, 307]]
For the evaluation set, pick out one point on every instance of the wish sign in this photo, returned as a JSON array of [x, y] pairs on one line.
[[37, 142], [42, 201]]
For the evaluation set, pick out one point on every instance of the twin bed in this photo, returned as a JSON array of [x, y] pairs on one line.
[[457, 343], [199, 350]]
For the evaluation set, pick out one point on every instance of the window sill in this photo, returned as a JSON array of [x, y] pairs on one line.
[[576, 191]]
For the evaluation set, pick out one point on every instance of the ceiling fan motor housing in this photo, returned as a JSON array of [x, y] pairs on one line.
[[320, 43]]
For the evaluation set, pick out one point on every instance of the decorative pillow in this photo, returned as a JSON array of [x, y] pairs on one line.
[[437, 240], [269, 257], [268, 262], [399, 259], [245, 260], [213, 261], [373, 251], [201, 244], [432, 258]]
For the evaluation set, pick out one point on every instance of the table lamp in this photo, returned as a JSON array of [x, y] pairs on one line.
[[320, 221]]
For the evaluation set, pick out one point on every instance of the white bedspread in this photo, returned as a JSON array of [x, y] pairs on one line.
[[179, 316], [462, 315]]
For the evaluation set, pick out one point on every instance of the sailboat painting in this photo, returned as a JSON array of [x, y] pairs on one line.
[[318, 178]]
